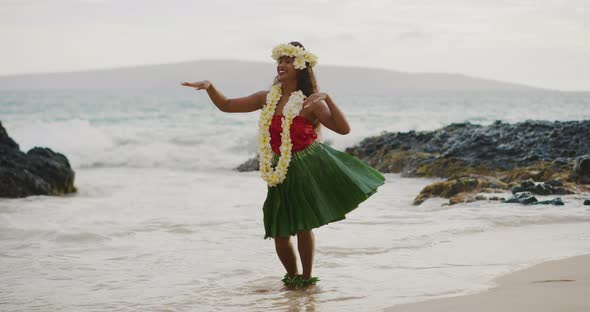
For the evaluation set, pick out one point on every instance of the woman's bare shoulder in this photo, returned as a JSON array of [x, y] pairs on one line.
[[262, 96]]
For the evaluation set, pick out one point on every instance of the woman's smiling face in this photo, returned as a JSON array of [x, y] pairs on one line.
[[285, 69]]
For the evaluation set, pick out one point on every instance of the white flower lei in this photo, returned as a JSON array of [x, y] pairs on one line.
[[301, 56], [276, 176]]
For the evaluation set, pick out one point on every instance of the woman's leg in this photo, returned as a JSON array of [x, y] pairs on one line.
[[286, 254], [306, 246]]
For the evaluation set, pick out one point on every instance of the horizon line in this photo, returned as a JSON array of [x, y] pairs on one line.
[[270, 62]]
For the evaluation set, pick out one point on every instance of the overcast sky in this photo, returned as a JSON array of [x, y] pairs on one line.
[[543, 43]]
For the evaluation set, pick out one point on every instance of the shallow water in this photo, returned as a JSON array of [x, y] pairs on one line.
[[140, 239]]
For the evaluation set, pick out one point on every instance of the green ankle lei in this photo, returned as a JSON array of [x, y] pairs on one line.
[[298, 282]]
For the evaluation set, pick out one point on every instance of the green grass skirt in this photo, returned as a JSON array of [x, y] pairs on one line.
[[322, 186]]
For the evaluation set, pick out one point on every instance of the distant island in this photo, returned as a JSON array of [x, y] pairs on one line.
[[237, 78]]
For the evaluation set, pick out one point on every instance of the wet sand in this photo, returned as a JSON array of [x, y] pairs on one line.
[[561, 285]]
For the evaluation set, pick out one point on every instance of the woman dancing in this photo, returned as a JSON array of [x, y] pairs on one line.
[[309, 184]]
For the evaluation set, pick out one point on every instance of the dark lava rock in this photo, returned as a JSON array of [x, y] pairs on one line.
[[451, 188], [522, 198], [554, 182], [497, 146], [582, 169], [526, 198], [5, 141], [251, 164], [38, 172], [555, 201], [587, 202], [582, 165], [540, 189]]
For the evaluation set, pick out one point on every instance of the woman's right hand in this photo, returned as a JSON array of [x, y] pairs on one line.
[[199, 85]]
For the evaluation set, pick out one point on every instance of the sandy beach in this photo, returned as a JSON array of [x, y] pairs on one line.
[[561, 285]]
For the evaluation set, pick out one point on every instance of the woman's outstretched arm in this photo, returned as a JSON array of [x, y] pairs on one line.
[[245, 104]]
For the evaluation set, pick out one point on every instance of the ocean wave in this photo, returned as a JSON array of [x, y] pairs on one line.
[[80, 237], [68, 136], [137, 145], [21, 235], [516, 221]]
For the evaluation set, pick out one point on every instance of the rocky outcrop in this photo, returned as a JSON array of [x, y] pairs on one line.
[[522, 198], [499, 146], [457, 189], [582, 169], [527, 198], [541, 157], [251, 164], [551, 187], [40, 171]]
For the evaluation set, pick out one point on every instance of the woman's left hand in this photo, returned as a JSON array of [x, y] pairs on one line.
[[315, 98]]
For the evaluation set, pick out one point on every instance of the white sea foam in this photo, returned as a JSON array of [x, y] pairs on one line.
[[89, 145]]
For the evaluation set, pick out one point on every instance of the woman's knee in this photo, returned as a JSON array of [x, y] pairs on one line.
[[304, 233], [282, 240]]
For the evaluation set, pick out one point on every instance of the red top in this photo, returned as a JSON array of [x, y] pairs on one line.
[[302, 133]]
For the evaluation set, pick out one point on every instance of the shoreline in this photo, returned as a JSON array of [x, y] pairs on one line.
[[555, 285]]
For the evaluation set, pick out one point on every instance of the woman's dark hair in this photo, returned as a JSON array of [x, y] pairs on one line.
[[305, 77], [305, 81]]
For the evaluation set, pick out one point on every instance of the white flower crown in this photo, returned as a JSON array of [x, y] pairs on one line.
[[301, 56]]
